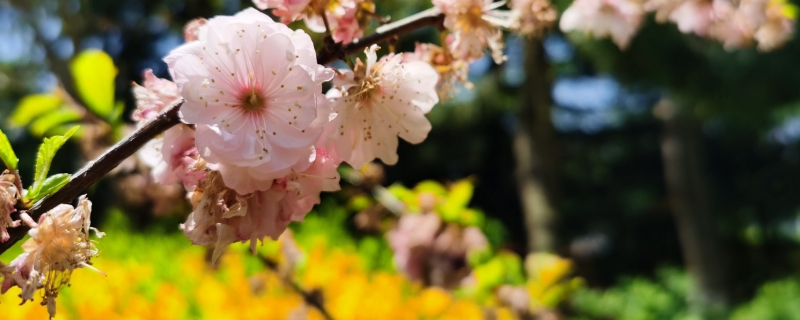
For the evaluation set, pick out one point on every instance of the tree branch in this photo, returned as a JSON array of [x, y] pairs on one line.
[[95, 170], [430, 17]]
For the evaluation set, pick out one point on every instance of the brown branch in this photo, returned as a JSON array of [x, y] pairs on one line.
[[338, 51], [311, 298], [95, 170]]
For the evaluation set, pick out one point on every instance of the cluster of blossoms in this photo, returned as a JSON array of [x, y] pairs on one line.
[[474, 26], [260, 141], [59, 243], [477, 25], [736, 24], [344, 19]]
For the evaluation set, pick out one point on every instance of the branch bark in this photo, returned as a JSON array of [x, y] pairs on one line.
[[95, 170]]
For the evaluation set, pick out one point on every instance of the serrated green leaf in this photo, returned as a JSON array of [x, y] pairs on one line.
[[33, 106], [50, 186], [43, 126], [44, 158], [93, 72], [6, 153]]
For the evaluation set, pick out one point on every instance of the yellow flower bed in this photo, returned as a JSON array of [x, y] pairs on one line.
[[180, 285]]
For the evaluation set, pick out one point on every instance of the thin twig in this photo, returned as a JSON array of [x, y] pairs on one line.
[[95, 170], [308, 297]]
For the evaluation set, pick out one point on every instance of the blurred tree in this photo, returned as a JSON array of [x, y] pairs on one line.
[[536, 151]]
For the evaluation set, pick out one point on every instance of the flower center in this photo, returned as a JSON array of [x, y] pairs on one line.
[[252, 100], [474, 17]]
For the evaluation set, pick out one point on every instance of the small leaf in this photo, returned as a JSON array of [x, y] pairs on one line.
[[6, 153], [94, 73], [34, 106], [44, 158], [115, 118], [48, 187], [44, 125], [458, 199]]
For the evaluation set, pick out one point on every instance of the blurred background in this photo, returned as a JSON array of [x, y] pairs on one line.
[[659, 182]]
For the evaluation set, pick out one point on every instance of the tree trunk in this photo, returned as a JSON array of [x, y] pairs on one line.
[[535, 152], [688, 188]]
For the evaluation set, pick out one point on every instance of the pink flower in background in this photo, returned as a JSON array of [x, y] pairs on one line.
[[452, 72], [693, 16], [378, 102], [345, 25], [411, 241], [293, 10], [342, 15], [476, 26], [252, 86], [735, 26], [153, 97], [778, 26], [533, 16], [617, 19]]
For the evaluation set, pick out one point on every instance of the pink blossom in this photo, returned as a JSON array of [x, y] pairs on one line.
[[691, 16], [303, 188], [292, 10], [533, 16], [694, 16], [735, 26], [192, 29], [476, 25], [378, 102], [154, 97], [252, 87], [172, 156], [221, 216], [411, 241], [342, 15], [8, 201], [618, 19], [345, 25], [778, 26], [57, 246], [452, 72]]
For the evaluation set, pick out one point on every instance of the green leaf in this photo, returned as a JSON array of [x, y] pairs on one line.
[[93, 72], [6, 153], [44, 158], [50, 186], [43, 126], [33, 106], [458, 199], [115, 118]]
